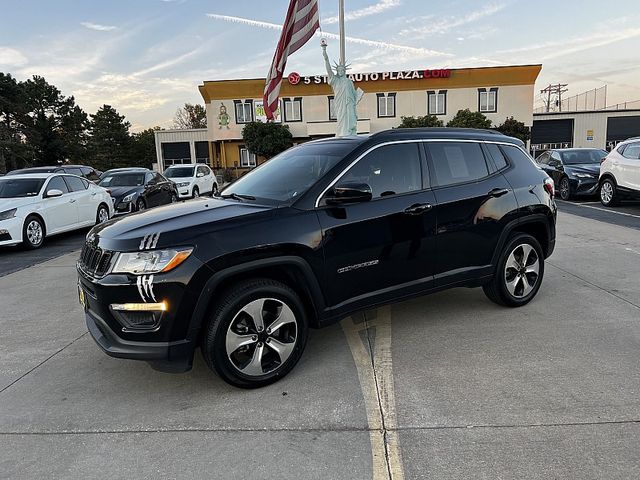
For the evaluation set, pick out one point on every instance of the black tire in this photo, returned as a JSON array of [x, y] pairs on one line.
[[141, 205], [174, 198], [33, 240], [100, 214], [214, 190], [196, 192], [228, 309], [609, 196], [496, 290], [564, 187]]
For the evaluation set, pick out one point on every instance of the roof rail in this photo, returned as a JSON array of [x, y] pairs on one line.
[[436, 129]]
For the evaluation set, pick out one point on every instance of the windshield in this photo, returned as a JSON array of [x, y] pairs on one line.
[[20, 187], [178, 172], [287, 176], [122, 180], [581, 157]]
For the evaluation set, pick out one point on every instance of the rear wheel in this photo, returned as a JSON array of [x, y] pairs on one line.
[[519, 272], [103, 214], [214, 190], [608, 193], [256, 334], [33, 232], [565, 189]]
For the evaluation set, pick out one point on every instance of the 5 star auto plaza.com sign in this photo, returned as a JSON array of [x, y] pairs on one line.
[[295, 78]]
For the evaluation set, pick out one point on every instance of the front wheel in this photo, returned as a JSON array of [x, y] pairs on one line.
[[214, 190], [565, 189], [102, 215], [196, 192], [256, 334], [519, 272], [608, 193], [174, 198], [33, 232], [140, 205]]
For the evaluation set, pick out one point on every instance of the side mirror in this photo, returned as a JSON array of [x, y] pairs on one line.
[[349, 193], [54, 192], [200, 174]]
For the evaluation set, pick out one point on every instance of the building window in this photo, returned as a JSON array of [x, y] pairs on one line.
[[488, 100], [437, 102], [247, 159], [292, 109], [332, 108], [386, 105], [244, 111]]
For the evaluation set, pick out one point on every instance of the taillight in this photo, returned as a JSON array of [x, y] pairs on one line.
[[549, 186]]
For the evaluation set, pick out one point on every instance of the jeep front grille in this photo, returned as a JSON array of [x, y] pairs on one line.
[[94, 260]]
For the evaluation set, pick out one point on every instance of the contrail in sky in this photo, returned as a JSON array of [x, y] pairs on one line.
[[360, 41]]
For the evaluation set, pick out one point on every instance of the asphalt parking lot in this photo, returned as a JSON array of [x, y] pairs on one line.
[[445, 386]]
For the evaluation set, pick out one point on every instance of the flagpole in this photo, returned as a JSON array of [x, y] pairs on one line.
[[342, 49]]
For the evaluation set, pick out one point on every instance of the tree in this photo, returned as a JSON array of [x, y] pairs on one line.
[[110, 142], [416, 122], [15, 152], [190, 116], [513, 128], [468, 119], [143, 148], [267, 139]]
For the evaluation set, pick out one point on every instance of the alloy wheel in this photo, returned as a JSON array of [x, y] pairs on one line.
[[261, 337], [606, 192], [34, 233], [565, 189], [522, 270], [103, 215]]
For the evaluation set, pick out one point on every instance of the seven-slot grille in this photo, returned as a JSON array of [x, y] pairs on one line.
[[94, 260]]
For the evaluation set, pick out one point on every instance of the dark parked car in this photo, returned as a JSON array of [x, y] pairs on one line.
[[89, 173], [575, 171], [322, 230], [136, 189]]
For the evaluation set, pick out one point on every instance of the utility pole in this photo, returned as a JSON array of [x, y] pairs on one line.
[[557, 90]]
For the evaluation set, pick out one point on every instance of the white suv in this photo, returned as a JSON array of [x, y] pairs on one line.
[[192, 180], [620, 173]]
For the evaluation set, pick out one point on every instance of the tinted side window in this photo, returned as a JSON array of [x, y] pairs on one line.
[[498, 157], [90, 173], [632, 150], [388, 170], [159, 178], [73, 171], [457, 162], [149, 177], [57, 183], [544, 158], [515, 155], [203, 170], [75, 184]]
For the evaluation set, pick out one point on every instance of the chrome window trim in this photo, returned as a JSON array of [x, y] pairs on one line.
[[414, 140]]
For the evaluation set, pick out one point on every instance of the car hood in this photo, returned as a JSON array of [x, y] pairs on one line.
[[9, 203], [593, 168], [120, 192], [173, 225]]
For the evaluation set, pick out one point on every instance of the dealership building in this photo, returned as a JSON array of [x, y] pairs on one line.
[[306, 106]]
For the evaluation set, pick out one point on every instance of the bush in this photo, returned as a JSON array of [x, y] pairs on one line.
[[417, 122], [468, 119], [513, 128], [267, 139]]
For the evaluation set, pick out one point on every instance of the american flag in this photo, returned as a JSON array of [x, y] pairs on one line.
[[301, 23]]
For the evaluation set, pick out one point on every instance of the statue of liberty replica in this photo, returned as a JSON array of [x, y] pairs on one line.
[[346, 97]]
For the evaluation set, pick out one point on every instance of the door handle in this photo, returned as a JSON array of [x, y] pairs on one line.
[[418, 209], [73, 200], [93, 194], [498, 192]]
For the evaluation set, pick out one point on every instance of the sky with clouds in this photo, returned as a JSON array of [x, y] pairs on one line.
[[147, 57]]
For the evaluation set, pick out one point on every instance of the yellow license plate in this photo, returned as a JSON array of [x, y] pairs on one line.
[[82, 297]]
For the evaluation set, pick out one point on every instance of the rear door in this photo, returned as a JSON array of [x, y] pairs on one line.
[[473, 201], [374, 248], [60, 213], [86, 202]]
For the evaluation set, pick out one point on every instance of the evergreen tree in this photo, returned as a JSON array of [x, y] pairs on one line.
[[416, 122], [110, 142], [143, 149]]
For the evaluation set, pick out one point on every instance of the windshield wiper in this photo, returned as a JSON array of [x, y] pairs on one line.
[[238, 196]]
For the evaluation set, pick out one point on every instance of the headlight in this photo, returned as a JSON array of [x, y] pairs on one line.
[[183, 184], [128, 198], [155, 261], [7, 214], [583, 175]]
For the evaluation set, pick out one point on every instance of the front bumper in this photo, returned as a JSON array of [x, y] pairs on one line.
[[11, 231], [584, 186]]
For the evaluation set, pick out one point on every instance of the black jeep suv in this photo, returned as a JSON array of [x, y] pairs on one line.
[[322, 230]]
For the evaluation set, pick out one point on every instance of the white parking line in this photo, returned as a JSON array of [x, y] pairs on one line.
[[601, 209]]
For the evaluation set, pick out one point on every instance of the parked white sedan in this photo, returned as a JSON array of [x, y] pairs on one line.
[[34, 206], [192, 180]]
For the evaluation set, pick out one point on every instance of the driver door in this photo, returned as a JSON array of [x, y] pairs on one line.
[[60, 213], [375, 247]]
